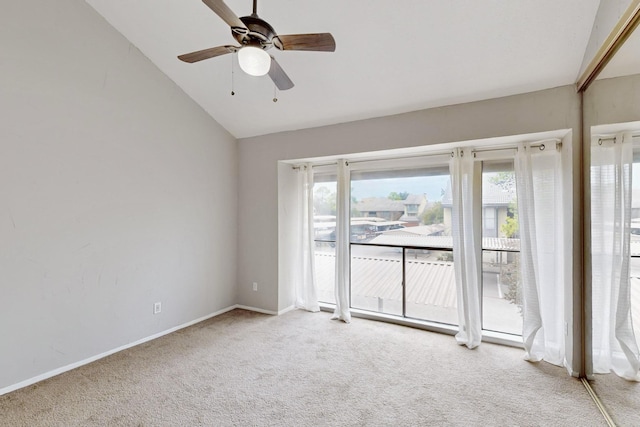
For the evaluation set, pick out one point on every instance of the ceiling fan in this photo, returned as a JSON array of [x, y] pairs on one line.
[[256, 36]]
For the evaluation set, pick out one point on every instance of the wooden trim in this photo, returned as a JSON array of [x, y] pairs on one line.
[[620, 33]]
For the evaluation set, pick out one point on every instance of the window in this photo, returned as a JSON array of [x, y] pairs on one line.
[[412, 210], [401, 262], [402, 258], [634, 268], [324, 222], [400, 243], [489, 222], [501, 287]]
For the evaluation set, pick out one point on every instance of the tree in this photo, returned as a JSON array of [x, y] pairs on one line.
[[324, 201], [510, 273], [504, 179], [398, 196], [433, 215], [510, 228]]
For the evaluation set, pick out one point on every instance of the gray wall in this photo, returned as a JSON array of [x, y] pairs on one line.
[[610, 101], [117, 191], [258, 204]]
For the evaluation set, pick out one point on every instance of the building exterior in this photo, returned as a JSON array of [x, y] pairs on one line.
[[498, 204], [408, 210]]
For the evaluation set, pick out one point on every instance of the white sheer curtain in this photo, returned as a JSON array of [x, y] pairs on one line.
[[614, 345], [464, 250], [343, 261], [539, 191], [303, 274]]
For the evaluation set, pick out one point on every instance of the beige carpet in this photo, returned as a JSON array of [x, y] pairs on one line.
[[620, 397], [302, 369]]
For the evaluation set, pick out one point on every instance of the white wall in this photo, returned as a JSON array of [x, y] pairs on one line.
[[116, 191], [258, 205]]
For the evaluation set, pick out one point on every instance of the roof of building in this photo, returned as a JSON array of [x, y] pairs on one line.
[[421, 230], [384, 204], [380, 204], [492, 194], [415, 199]]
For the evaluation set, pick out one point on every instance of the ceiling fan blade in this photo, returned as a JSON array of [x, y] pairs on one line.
[[279, 77], [207, 53], [323, 42], [223, 11]]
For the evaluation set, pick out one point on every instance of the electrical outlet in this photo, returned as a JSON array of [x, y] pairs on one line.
[[157, 307], [255, 286]]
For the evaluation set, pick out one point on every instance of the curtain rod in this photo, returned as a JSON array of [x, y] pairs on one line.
[[440, 153], [614, 137], [316, 165], [539, 144]]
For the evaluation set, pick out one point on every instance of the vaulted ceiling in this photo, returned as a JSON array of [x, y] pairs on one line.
[[391, 57]]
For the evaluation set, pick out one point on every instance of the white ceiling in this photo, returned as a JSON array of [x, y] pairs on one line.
[[391, 56]]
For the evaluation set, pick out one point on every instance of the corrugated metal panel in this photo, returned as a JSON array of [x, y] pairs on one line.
[[408, 239], [500, 244], [377, 277], [431, 283], [635, 304], [428, 282], [325, 270]]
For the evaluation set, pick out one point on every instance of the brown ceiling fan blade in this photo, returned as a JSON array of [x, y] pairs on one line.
[[279, 77], [322, 42], [223, 11], [206, 53]]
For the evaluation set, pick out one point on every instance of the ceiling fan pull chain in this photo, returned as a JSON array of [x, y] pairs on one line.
[[232, 74], [275, 93]]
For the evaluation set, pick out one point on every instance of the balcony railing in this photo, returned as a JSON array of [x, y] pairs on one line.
[[418, 282]]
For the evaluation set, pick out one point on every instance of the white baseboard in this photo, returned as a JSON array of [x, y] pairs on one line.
[[75, 365], [257, 310], [286, 310], [260, 310]]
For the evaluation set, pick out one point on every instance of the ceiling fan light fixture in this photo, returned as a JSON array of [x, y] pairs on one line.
[[254, 61]]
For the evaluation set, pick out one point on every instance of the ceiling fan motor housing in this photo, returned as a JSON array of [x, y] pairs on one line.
[[260, 32]]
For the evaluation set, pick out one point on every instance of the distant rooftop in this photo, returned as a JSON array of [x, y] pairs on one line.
[[380, 204], [492, 194]]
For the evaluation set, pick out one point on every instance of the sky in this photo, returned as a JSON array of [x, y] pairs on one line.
[[432, 186]]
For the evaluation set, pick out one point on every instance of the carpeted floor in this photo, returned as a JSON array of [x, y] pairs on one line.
[[302, 369], [620, 397]]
